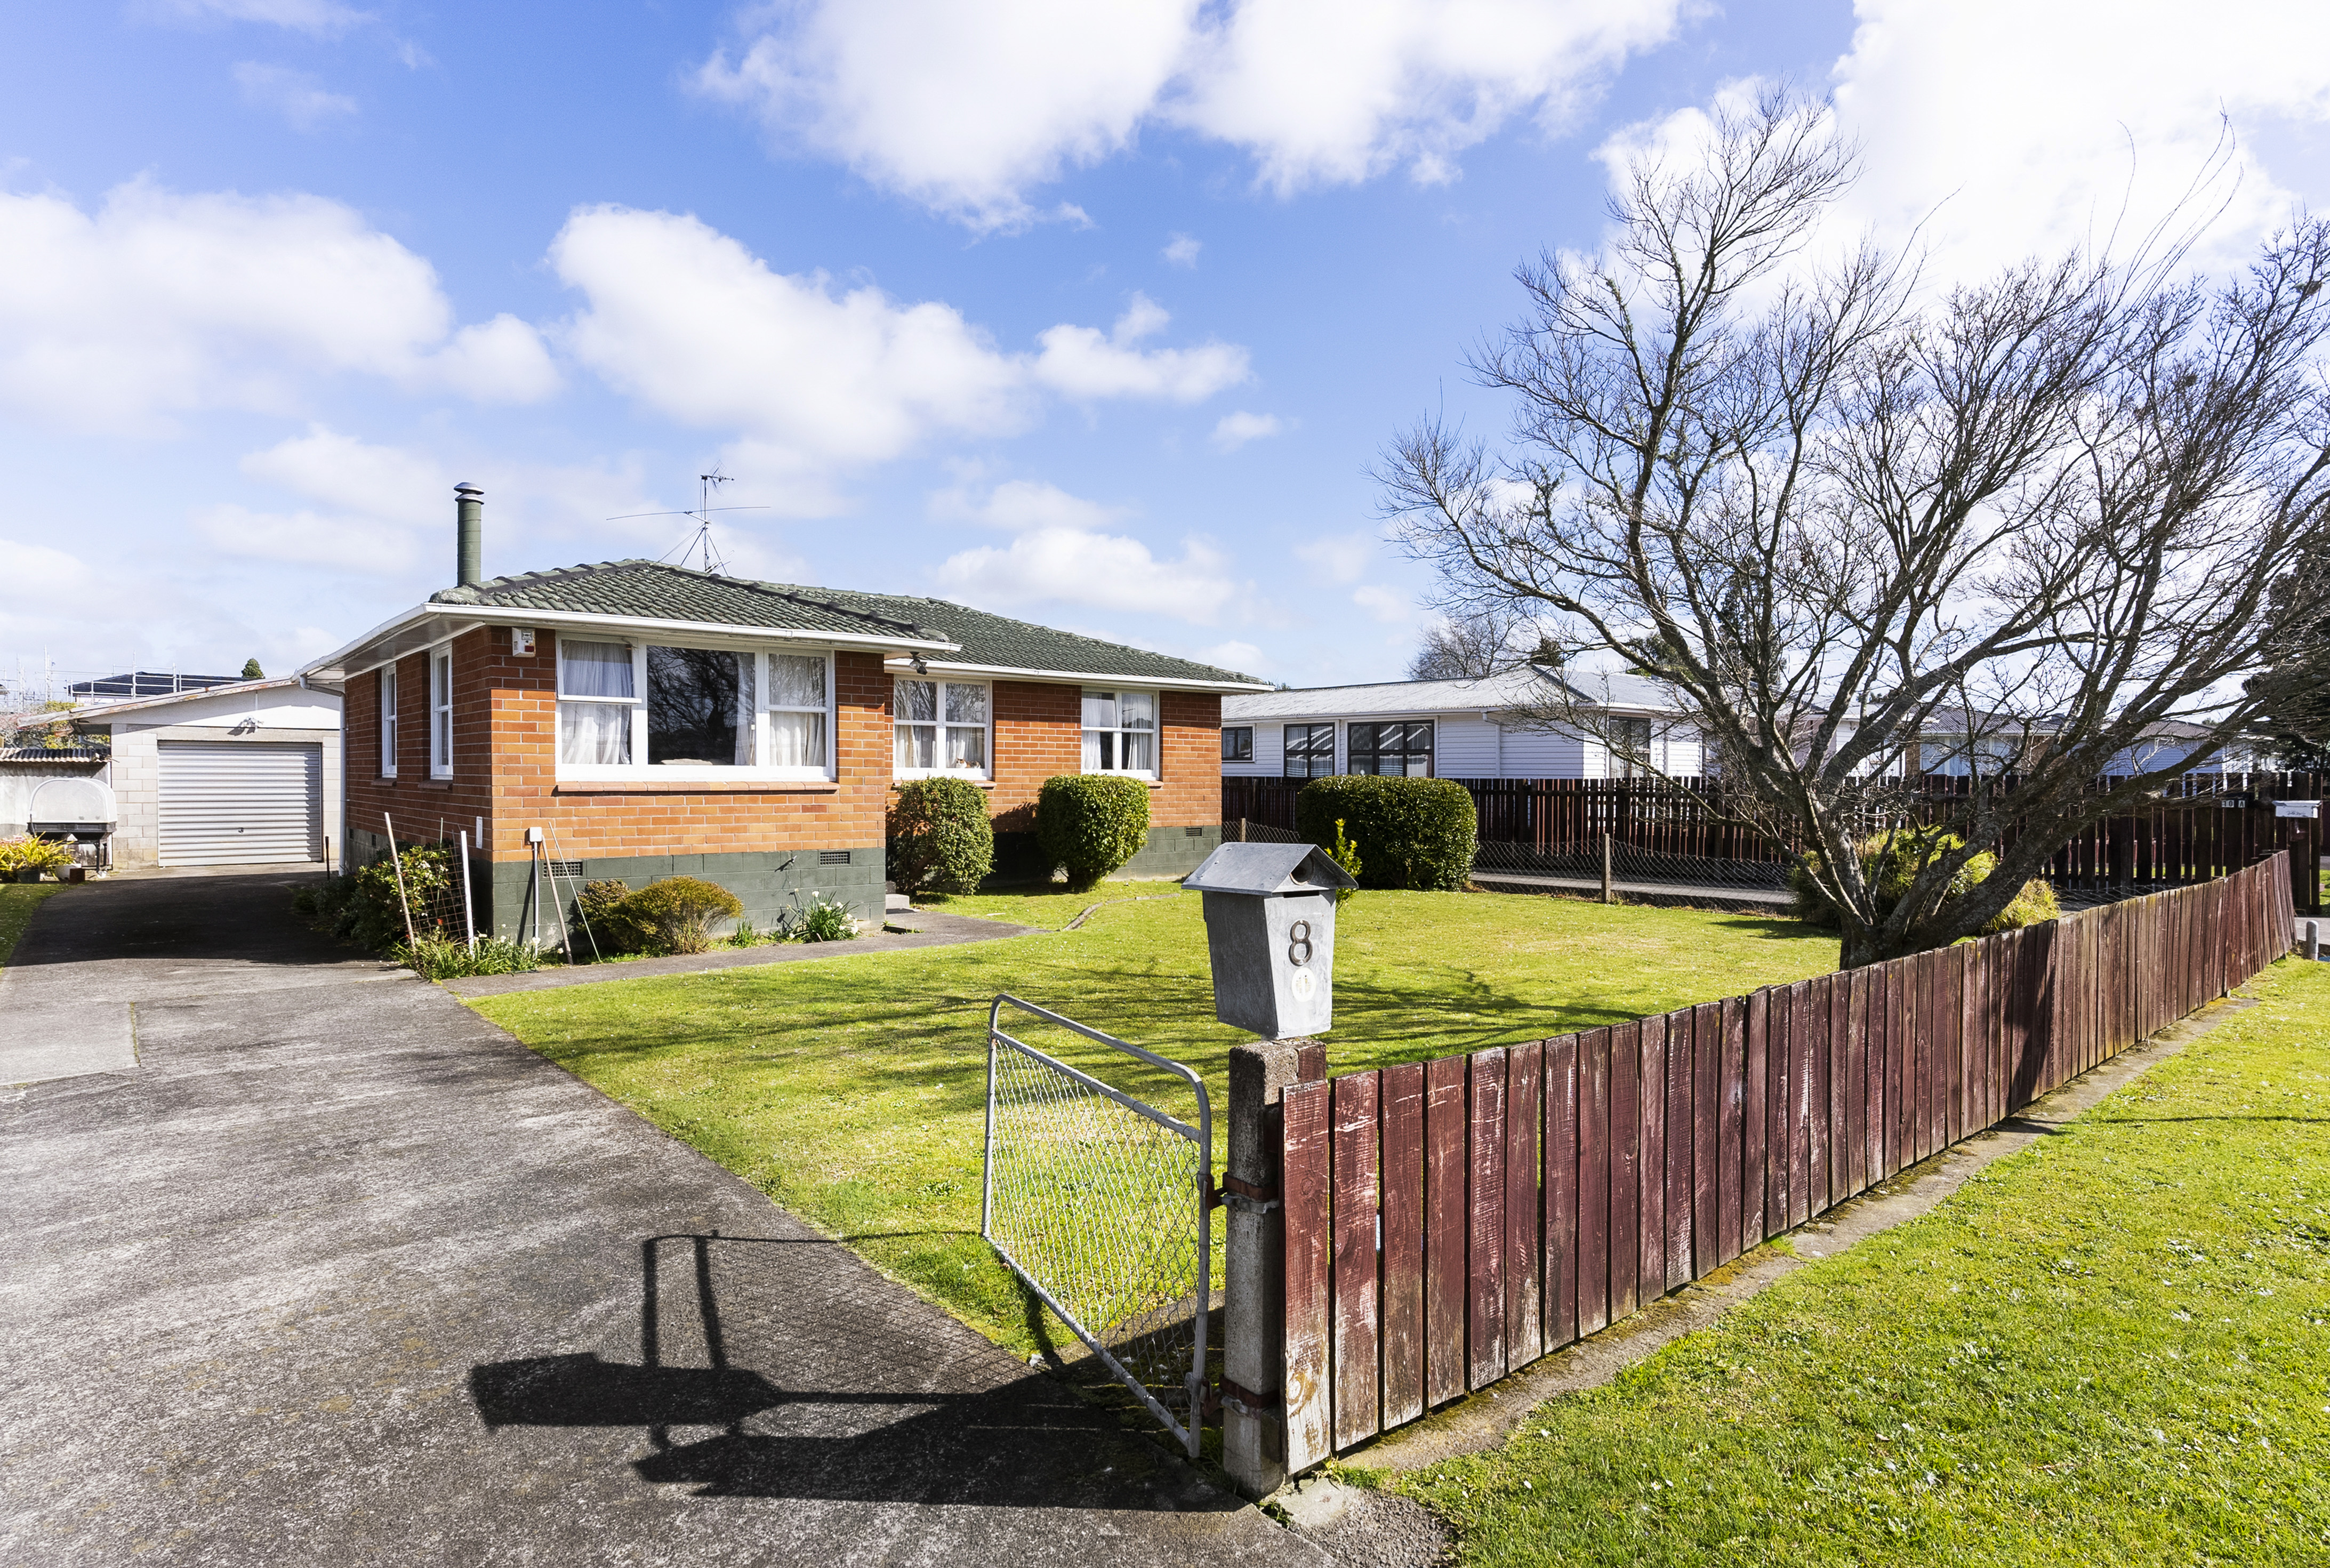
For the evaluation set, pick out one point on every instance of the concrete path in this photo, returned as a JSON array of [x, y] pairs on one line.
[[916, 928], [338, 1273]]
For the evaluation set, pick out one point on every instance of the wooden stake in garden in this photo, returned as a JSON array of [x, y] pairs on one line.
[[403, 900], [1609, 889]]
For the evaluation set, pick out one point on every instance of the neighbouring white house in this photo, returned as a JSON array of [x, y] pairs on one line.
[[1475, 729], [228, 775]]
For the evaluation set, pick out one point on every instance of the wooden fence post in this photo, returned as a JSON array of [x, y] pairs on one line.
[[1254, 1418]]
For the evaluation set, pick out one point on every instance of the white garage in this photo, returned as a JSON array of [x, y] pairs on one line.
[[240, 803], [232, 775]]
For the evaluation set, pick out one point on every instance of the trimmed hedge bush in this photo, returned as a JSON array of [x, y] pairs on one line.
[[1889, 863], [1090, 824], [940, 837], [1415, 833]]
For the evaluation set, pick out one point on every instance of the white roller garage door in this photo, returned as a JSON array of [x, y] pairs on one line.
[[223, 804]]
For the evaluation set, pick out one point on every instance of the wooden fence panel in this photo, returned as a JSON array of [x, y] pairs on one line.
[[1650, 1165], [1594, 1181], [1857, 1121], [1707, 1120], [1561, 1098], [1779, 1108], [1524, 1217], [1485, 1233], [1403, 1243], [1625, 1167], [1839, 1074], [1444, 1273], [1731, 1199], [1682, 1138], [1754, 1123], [1304, 1193], [1356, 1181]]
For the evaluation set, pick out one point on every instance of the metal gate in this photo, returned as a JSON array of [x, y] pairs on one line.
[[1101, 1203]]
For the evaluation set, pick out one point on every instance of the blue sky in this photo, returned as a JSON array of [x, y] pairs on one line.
[[1093, 314]]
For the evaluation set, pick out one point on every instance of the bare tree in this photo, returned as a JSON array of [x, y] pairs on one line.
[[1482, 642], [1856, 527]]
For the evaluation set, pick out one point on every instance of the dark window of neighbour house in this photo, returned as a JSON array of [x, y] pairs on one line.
[[699, 702], [1630, 748], [1309, 751], [1238, 743], [1402, 747]]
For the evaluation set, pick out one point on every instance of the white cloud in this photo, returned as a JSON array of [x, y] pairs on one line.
[[692, 323], [1022, 503], [1103, 570], [318, 18], [308, 538], [1233, 655], [159, 303], [296, 95], [2022, 128], [1182, 250], [967, 108], [1342, 557], [41, 573], [1081, 363], [1384, 604], [1235, 430]]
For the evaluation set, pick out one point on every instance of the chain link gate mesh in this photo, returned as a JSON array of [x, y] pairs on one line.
[[1098, 1202]]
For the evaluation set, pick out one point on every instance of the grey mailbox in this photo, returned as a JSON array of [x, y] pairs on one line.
[[1270, 931]]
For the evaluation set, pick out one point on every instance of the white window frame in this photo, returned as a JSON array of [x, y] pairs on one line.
[[1246, 730], [441, 711], [640, 770], [940, 725], [387, 689], [1156, 733]]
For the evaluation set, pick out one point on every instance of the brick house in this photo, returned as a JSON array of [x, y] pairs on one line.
[[651, 720]]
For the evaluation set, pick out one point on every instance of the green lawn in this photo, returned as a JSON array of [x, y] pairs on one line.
[[851, 1089], [2113, 1347], [18, 899]]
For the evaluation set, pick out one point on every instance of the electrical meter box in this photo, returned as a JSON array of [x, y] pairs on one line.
[[1270, 931]]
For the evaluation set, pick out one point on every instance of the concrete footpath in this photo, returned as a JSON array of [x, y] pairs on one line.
[[329, 1269]]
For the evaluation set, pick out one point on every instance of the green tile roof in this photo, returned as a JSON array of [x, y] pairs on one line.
[[650, 590]]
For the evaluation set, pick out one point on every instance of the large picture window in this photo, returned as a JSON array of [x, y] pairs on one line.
[[699, 707], [440, 713], [940, 727], [1120, 733], [388, 722], [1309, 751], [596, 694], [1238, 742]]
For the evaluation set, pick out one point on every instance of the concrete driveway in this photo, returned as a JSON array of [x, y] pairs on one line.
[[330, 1270]]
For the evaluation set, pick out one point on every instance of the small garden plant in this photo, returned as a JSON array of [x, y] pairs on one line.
[[442, 958], [1089, 825], [941, 840], [1420, 833], [1890, 862], [26, 852]]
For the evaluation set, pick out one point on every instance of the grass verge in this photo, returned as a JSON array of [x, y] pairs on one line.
[[2113, 1347], [18, 899], [851, 1089]]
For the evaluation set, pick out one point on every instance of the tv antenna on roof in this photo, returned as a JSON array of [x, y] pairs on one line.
[[701, 539]]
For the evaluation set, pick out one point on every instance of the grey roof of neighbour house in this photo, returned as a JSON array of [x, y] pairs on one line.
[[1518, 689], [973, 638]]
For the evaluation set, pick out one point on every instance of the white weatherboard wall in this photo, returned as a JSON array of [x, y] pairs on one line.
[[1467, 746], [273, 714]]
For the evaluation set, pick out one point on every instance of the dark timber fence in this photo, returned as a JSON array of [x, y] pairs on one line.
[[1449, 1222], [2214, 824]]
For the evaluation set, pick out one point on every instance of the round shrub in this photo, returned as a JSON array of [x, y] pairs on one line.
[[1091, 824], [604, 922], [1415, 833], [680, 909], [940, 837], [1889, 863]]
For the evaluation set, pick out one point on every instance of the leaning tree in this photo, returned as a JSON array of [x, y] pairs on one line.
[[1862, 528]]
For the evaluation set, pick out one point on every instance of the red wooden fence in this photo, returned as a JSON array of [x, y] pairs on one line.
[[1449, 1222]]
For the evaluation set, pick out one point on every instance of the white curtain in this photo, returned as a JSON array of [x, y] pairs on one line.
[[966, 748], [1138, 756], [796, 681], [594, 669], [1092, 749], [1138, 710], [917, 746], [797, 740], [966, 704], [745, 703], [917, 702], [595, 732]]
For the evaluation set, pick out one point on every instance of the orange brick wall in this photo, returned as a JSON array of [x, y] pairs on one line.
[[504, 707]]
